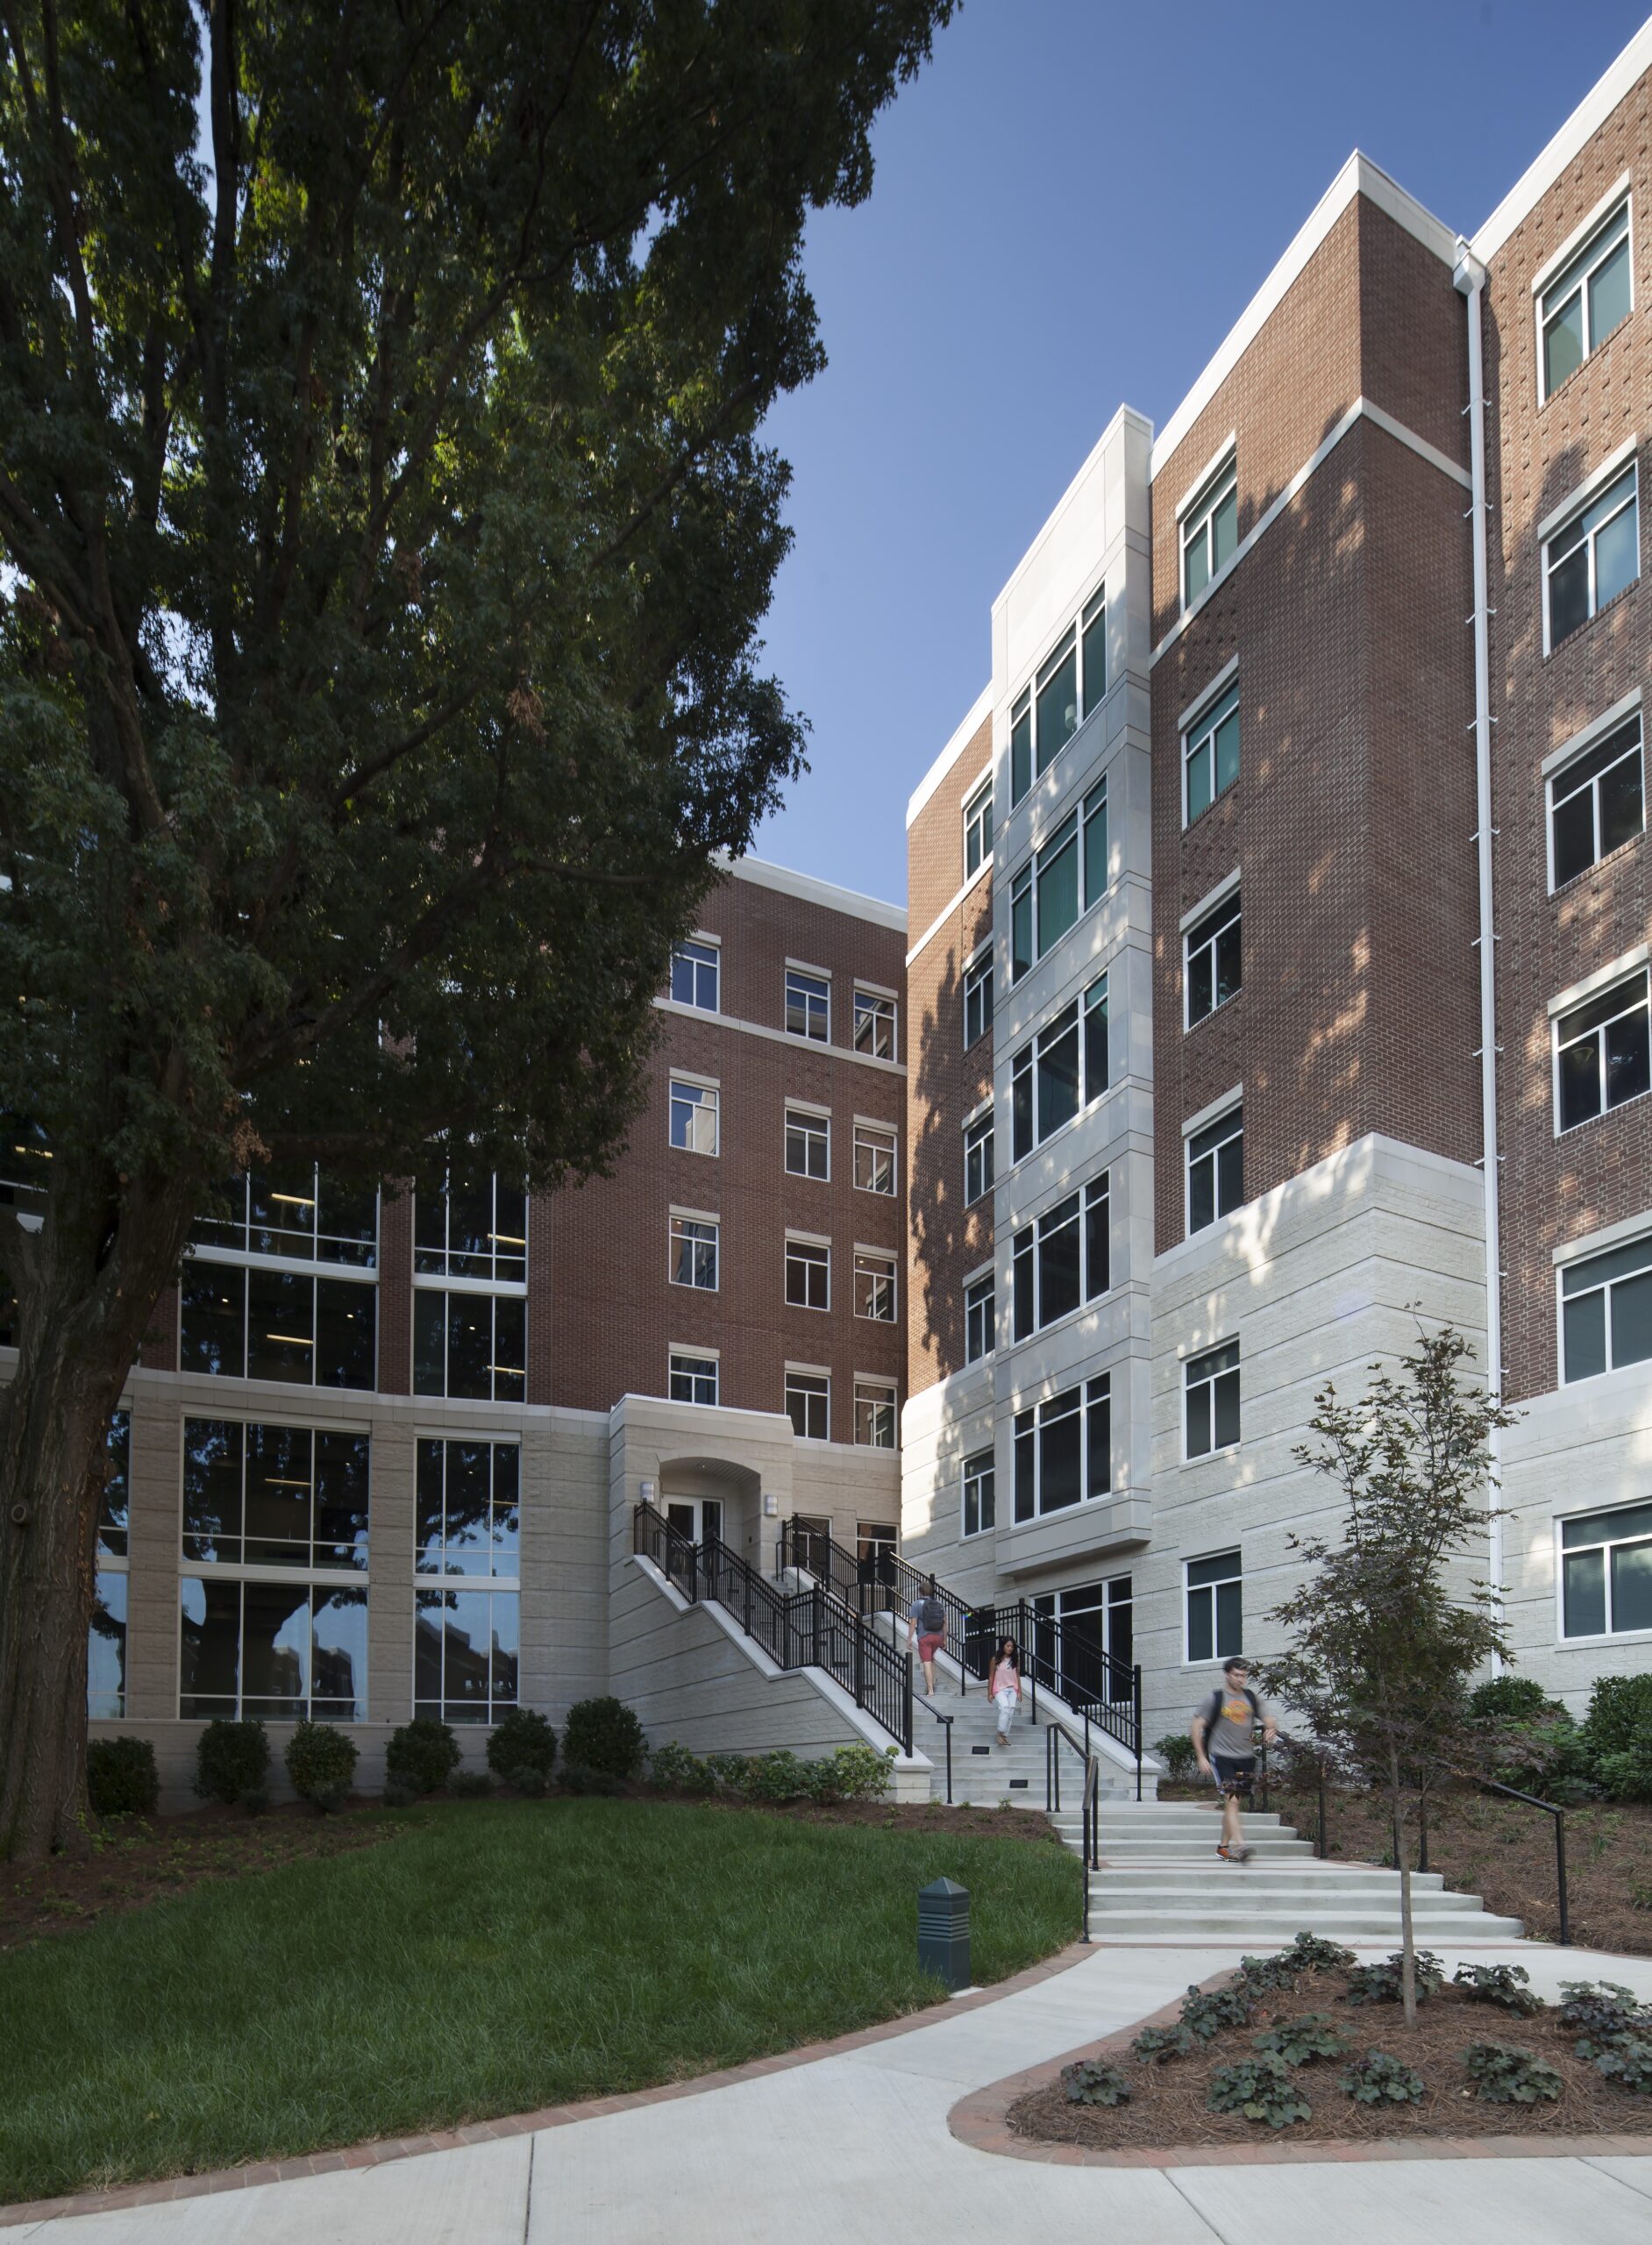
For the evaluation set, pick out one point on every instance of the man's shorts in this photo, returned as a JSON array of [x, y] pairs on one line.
[[1235, 1773], [930, 1645]]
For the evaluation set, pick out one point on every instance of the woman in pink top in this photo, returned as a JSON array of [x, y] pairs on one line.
[[1003, 1685]]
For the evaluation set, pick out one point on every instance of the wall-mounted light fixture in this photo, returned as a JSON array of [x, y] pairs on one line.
[[771, 1505], [648, 1493]]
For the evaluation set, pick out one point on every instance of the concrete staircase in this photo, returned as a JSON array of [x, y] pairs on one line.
[[984, 1774], [1161, 1880]]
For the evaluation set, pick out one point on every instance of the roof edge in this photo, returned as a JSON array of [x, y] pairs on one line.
[[809, 890], [963, 734], [1585, 122]]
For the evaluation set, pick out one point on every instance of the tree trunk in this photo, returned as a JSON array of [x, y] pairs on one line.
[[1402, 1860], [83, 1311]]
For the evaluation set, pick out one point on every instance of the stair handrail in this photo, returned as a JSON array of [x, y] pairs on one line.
[[1061, 1657], [850, 1577], [674, 1553]]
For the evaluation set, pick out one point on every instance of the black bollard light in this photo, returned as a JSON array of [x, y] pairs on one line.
[[944, 1933]]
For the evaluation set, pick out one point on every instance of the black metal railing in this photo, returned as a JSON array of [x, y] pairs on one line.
[[806, 1628], [1067, 1662], [875, 1581], [1057, 1737]]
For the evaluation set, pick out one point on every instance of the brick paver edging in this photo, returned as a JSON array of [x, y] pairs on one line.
[[982, 2119], [377, 2153]]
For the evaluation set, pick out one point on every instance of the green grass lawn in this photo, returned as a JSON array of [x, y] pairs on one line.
[[487, 1960]]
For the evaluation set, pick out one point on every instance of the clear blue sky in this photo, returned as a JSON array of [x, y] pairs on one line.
[[1072, 205]]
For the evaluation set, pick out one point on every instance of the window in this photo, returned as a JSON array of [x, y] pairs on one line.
[[1215, 1169], [808, 1152], [1596, 803], [1212, 1399], [467, 1653], [272, 1651], [1215, 1607], [1602, 1054], [1606, 1572], [808, 1006], [978, 998], [981, 1509], [809, 1274], [693, 1116], [470, 1344], [114, 1503], [297, 1216], [1096, 1619], [476, 1229], [808, 1401], [106, 1648], [256, 1323], [263, 1495], [693, 1379], [1061, 1258], [874, 1159], [1045, 714], [1214, 969], [977, 830], [875, 1414], [1210, 530], [1605, 1312], [874, 1025], [695, 968], [1044, 895], [1590, 559], [1584, 302], [980, 1308], [977, 1157], [874, 1285], [467, 1507], [875, 1542], [694, 1241], [1063, 1451], [1210, 756], [1060, 1070]]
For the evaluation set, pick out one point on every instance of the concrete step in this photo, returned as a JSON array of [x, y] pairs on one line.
[[1261, 1929], [1265, 1848], [1178, 1881]]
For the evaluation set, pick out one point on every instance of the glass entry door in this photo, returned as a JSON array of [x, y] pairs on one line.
[[1094, 1618], [695, 1517]]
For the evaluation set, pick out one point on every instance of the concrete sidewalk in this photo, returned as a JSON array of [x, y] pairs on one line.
[[856, 2145]]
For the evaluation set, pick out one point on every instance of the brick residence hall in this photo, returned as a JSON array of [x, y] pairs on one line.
[[1276, 957]]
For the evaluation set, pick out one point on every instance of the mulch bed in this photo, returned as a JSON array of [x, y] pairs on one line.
[[134, 1861], [1167, 2100]]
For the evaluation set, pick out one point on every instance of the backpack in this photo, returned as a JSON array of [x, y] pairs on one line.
[[931, 1616], [1212, 1707]]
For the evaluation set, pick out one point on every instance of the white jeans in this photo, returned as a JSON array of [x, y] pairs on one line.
[[1004, 1702]]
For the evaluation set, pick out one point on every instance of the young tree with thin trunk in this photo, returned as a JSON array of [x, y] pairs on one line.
[[1383, 1642], [384, 529]]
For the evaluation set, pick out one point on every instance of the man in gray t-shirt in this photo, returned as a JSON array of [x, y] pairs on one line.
[[1223, 1733]]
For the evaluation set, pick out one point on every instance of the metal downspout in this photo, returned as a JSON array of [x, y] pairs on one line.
[[1470, 278]]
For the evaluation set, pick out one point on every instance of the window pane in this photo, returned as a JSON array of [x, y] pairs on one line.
[[1057, 892], [1229, 970], [1218, 1568], [1020, 753], [275, 1650], [1230, 1175], [1201, 984], [1095, 846], [1628, 1058], [1583, 1323], [430, 1341], [1574, 828], [1199, 787], [1196, 564], [106, 1650], [1057, 708], [1200, 1640], [1059, 1076], [212, 1326], [1584, 1594], [1095, 660], [1228, 750], [1631, 1320], [470, 1345], [1225, 1408], [1568, 595], [1632, 1587], [511, 1348], [1224, 531], [278, 1496], [1617, 555], [211, 1489], [1022, 1296], [1058, 1280], [1620, 803], [507, 1647], [1562, 342], [1095, 1045], [466, 1549], [1026, 1466], [1608, 295], [1623, 1524], [346, 1334], [1098, 1472], [1199, 1418], [280, 1326], [1021, 1106], [1097, 1245], [1059, 1446], [1201, 1193], [1020, 929], [338, 1666], [1579, 1082], [468, 1656], [210, 1648], [1229, 1620]]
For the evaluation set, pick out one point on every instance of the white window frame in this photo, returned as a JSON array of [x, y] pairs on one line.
[[1094, 1392], [888, 1268], [1229, 894], [1639, 1233], [878, 1394], [691, 1353], [978, 822], [796, 969], [711, 1103], [1199, 731], [1194, 520], [1074, 635], [1576, 261], [672, 1242], [821, 1393], [1207, 1119], [1200, 1558], [1601, 986], [880, 1007], [810, 1261], [1208, 1382], [1608, 1636], [988, 1276], [876, 1138], [978, 977], [1620, 721], [979, 1137], [714, 945], [1025, 1061], [986, 1465], [1575, 517], [811, 1122]]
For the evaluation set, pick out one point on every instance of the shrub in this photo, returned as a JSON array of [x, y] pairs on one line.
[[1508, 1699], [1089, 2082], [1602, 2013], [1380, 1983], [604, 1735], [577, 1776], [1628, 2064], [727, 1769], [532, 1784], [522, 1740], [1627, 1774], [1620, 1717], [1378, 2079], [1506, 2075], [1260, 2089], [776, 1776], [673, 1769], [1206, 2015], [1505, 1984], [1312, 1954], [1155, 2044], [1300, 2041], [121, 1777], [1548, 1755], [853, 1773], [470, 1785], [1176, 1752], [1264, 1975], [231, 1758], [321, 1761], [422, 1755]]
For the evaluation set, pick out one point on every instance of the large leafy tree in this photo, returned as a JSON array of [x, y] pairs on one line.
[[383, 531], [1387, 1627]]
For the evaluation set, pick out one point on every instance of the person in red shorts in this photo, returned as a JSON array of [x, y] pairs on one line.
[[926, 1624]]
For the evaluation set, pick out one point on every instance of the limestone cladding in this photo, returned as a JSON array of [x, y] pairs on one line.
[[1557, 1189], [1349, 826], [950, 921], [1315, 1278]]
